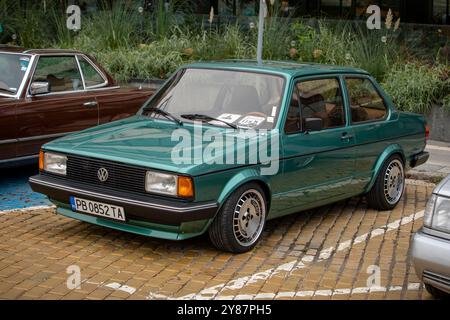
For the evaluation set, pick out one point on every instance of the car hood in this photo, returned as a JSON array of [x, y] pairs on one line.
[[142, 141]]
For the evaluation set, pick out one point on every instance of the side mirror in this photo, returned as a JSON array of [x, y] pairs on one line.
[[313, 124], [39, 87]]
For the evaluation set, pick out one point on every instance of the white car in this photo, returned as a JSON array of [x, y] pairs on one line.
[[431, 245]]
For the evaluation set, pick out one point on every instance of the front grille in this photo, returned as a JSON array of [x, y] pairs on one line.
[[436, 278], [121, 177]]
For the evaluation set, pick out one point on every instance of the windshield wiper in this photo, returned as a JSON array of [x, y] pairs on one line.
[[203, 117], [165, 114]]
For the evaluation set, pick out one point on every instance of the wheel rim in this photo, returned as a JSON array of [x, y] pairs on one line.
[[249, 217], [394, 182]]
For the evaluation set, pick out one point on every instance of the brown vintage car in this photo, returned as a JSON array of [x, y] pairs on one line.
[[45, 94]]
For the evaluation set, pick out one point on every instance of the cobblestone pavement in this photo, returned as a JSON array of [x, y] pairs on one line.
[[318, 254]]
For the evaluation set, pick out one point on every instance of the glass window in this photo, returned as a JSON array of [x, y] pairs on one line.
[[91, 77], [440, 11], [245, 99], [322, 99], [293, 123], [366, 103], [12, 70], [60, 72]]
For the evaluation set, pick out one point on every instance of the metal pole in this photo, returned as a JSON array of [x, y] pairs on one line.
[[262, 14]]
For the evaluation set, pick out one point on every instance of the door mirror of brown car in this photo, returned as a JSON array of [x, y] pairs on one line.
[[39, 87], [313, 124]]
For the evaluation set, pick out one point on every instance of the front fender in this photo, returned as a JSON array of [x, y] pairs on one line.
[[241, 178], [389, 151]]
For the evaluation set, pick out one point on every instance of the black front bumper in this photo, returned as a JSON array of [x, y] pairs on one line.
[[137, 207], [419, 159]]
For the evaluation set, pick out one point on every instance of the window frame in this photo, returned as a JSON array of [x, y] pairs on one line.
[[32, 71], [341, 84], [38, 58], [378, 91], [293, 91], [80, 57]]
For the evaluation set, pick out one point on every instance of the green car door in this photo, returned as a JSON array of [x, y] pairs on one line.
[[372, 125], [318, 157]]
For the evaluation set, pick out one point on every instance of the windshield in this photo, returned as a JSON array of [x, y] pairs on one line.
[[243, 99], [12, 70]]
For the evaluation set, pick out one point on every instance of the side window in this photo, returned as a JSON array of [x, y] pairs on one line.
[[322, 99], [293, 123], [60, 72], [366, 103], [91, 77]]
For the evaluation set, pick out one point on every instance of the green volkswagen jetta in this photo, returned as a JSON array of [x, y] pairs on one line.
[[223, 147]]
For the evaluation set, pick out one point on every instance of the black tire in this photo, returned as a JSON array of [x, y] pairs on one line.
[[377, 197], [225, 229], [436, 293]]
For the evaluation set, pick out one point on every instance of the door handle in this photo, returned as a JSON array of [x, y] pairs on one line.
[[346, 137], [90, 104]]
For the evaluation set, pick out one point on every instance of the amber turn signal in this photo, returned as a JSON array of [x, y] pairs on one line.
[[185, 187], [427, 131], [41, 160]]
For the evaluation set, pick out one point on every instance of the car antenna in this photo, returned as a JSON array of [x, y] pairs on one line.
[[262, 15]]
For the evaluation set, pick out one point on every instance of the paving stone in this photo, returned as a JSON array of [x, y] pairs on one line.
[[305, 256]]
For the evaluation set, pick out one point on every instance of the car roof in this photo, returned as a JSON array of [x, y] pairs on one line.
[[293, 69], [16, 49]]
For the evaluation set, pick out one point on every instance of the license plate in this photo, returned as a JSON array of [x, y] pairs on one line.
[[97, 208]]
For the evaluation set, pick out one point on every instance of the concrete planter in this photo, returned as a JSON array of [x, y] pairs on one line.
[[439, 121]]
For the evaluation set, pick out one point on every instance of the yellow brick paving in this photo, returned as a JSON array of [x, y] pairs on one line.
[[37, 247]]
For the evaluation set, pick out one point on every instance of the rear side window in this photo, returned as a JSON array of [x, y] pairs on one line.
[[60, 72], [322, 98], [91, 76], [365, 101]]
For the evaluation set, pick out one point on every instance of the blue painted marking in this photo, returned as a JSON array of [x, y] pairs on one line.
[[72, 203], [15, 192]]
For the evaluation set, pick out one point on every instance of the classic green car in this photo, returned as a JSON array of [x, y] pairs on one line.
[[195, 157]]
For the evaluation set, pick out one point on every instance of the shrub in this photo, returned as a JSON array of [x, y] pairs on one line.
[[415, 87], [347, 44]]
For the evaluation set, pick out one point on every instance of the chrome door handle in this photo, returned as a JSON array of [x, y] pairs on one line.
[[346, 137], [90, 104]]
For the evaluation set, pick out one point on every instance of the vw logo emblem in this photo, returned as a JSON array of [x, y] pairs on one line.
[[102, 174]]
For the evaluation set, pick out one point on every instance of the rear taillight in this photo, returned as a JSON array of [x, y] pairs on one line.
[[427, 131]]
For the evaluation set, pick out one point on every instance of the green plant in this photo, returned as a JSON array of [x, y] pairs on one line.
[[65, 38], [416, 87], [347, 44], [169, 15], [113, 28], [32, 28]]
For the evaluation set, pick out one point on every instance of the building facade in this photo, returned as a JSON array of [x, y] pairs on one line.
[[413, 11]]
